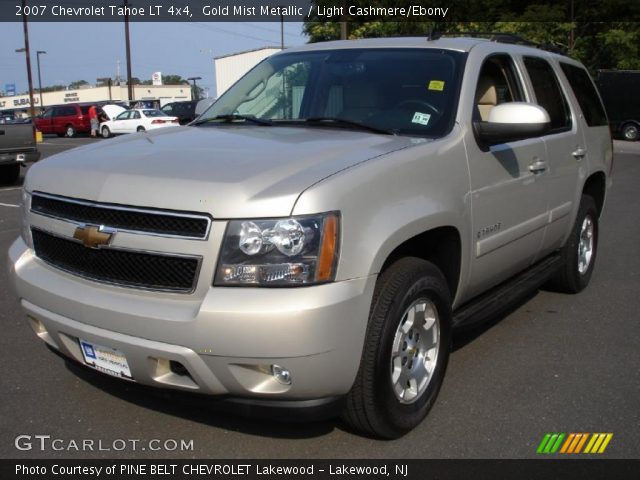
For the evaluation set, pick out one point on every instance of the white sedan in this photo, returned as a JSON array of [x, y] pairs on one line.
[[137, 120]]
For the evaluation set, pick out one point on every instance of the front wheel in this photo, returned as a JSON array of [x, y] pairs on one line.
[[405, 353], [579, 253], [106, 133]]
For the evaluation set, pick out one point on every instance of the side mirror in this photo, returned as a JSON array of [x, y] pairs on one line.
[[513, 121]]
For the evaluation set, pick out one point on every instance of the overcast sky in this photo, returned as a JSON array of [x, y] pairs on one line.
[[87, 51]]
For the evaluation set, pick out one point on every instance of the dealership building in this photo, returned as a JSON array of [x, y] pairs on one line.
[[114, 93], [227, 70]]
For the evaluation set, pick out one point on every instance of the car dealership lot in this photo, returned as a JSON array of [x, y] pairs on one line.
[[555, 363]]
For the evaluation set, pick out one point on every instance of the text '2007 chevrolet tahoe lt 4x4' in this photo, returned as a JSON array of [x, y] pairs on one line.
[[315, 236]]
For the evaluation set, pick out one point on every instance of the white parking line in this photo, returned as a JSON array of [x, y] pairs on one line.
[[9, 205], [10, 189]]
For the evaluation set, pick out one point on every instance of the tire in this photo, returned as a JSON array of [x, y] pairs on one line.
[[630, 132], [9, 174], [382, 402], [69, 131], [141, 129], [578, 263], [106, 133]]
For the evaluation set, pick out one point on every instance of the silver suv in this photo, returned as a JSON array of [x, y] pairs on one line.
[[313, 239]]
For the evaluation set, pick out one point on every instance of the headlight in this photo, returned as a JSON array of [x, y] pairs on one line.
[[280, 252], [24, 216]]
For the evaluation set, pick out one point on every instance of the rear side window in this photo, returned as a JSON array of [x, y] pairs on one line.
[[586, 94], [548, 92]]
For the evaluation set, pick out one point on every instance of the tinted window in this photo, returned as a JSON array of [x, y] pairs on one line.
[[586, 94], [548, 93], [85, 110], [64, 112]]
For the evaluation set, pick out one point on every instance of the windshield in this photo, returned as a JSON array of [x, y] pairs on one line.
[[405, 91]]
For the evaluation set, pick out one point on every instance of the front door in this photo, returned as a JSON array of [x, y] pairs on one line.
[[508, 204]]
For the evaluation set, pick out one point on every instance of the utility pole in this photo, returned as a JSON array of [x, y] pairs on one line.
[[281, 30], [38, 53], [128, 47], [32, 110]]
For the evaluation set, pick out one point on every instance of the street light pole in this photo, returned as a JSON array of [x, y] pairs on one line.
[[38, 53], [194, 90], [128, 48], [32, 110]]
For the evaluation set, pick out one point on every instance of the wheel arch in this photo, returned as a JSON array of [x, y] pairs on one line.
[[441, 246], [595, 186]]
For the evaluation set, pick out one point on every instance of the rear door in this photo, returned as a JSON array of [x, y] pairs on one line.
[[564, 146], [596, 138], [63, 116]]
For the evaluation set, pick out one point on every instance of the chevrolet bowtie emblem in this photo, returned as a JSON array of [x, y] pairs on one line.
[[92, 236]]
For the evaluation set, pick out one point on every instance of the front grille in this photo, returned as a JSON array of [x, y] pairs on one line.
[[120, 267], [123, 218]]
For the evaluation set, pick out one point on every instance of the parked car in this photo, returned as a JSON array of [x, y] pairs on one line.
[[314, 243], [137, 120], [67, 120], [185, 111], [18, 148], [64, 120], [619, 90]]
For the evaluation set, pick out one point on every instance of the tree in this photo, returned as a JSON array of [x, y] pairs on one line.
[[174, 80], [77, 84]]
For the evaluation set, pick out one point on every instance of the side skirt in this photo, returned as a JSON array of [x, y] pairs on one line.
[[491, 303]]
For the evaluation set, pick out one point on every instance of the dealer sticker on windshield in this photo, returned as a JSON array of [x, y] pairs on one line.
[[421, 118], [105, 359]]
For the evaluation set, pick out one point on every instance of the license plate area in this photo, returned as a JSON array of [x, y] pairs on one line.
[[105, 359]]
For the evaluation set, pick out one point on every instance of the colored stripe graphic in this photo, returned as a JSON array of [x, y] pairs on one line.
[[574, 443], [598, 442]]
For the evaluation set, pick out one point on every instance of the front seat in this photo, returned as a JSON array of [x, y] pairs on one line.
[[486, 97]]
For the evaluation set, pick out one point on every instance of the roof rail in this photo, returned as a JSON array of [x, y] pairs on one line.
[[502, 37]]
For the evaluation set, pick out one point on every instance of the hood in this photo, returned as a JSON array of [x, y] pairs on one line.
[[112, 111], [229, 171]]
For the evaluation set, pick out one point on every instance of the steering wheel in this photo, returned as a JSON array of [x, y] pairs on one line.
[[418, 102]]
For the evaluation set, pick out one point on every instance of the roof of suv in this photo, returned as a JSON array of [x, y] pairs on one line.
[[461, 44]]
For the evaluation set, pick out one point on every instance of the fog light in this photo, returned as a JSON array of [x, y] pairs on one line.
[[281, 374]]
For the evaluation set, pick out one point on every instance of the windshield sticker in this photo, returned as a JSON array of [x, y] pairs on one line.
[[437, 85], [421, 118]]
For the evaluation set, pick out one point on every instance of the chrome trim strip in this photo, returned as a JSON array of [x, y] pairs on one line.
[[108, 206], [194, 284]]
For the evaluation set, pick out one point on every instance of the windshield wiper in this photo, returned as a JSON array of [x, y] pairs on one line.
[[347, 123], [233, 117]]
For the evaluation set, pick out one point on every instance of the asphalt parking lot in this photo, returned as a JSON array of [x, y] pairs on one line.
[[555, 363]]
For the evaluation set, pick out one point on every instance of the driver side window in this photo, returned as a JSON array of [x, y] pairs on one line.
[[498, 83]]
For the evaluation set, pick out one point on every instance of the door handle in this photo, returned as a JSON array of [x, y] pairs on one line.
[[579, 153], [538, 166]]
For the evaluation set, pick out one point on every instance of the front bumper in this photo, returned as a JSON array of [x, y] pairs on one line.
[[226, 340]]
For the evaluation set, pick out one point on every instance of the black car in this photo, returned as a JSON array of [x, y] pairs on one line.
[[185, 111]]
